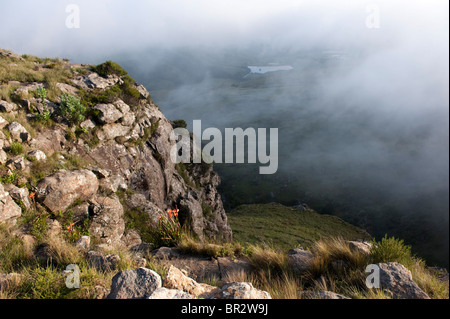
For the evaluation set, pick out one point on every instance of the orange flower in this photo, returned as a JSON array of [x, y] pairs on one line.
[[69, 228], [32, 195]]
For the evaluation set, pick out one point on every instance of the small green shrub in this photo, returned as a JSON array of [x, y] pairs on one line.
[[72, 109], [8, 178], [16, 148], [392, 250], [109, 68], [42, 94], [179, 123]]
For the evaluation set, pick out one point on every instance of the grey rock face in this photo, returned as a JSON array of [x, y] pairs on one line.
[[299, 259], [9, 210], [398, 280], [107, 225], [58, 191], [109, 113], [134, 284]]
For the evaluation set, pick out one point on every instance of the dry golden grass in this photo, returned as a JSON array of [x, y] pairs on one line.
[[284, 286]]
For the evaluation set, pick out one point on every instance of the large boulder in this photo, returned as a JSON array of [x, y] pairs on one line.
[[299, 259], [60, 190], [134, 284], [242, 290], [107, 224], [9, 210], [397, 279]]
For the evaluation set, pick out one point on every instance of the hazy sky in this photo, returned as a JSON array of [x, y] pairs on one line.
[[39, 27]]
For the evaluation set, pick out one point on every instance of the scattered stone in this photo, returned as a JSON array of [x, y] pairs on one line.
[[242, 290], [361, 246], [66, 88], [9, 210], [17, 163], [7, 107], [3, 157], [19, 194], [398, 280], [88, 125], [83, 243], [164, 293], [60, 190], [175, 279], [3, 123], [102, 262], [299, 259], [18, 132], [37, 155], [134, 284]]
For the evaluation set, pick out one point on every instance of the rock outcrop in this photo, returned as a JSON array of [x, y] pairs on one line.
[[122, 132], [60, 190], [9, 210], [397, 279]]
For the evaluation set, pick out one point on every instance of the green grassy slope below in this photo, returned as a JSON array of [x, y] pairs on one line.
[[287, 227]]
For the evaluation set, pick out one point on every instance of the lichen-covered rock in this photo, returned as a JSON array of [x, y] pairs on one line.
[[398, 280], [107, 224], [108, 113], [242, 290], [18, 132], [7, 107], [60, 190], [3, 123], [37, 155], [19, 194], [17, 163], [9, 210], [134, 284]]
